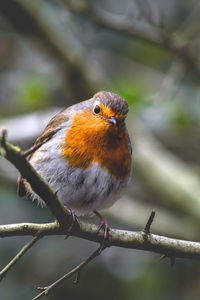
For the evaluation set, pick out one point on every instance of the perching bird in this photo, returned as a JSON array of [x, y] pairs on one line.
[[84, 154]]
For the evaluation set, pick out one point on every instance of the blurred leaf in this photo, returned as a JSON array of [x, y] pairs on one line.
[[150, 55], [181, 117], [133, 92], [33, 92]]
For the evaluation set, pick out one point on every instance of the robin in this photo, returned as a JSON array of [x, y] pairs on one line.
[[84, 154]]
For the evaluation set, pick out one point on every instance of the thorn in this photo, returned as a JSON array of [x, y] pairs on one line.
[[172, 261], [75, 221], [2, 276], [147, 227], [4, 133], [77, 280], [162, 257]]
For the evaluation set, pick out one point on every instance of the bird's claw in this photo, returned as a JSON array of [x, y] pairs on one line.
[[74, 221], [106, 235]]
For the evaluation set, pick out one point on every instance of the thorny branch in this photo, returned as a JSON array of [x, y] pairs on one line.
[[142, 240], [119, 238]]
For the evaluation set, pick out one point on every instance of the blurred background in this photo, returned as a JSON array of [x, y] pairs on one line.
[[54, 53]]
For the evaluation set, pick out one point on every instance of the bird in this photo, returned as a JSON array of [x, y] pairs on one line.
[[85, 155]]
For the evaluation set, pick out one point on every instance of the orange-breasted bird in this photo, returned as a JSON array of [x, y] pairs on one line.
[[84, 154]]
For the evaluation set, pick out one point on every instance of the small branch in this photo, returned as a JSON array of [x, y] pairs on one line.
[[146, 230], [77, 269], [4, 271], [4, 135]]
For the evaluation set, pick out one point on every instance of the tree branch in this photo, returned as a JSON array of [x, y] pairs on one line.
[[119, 238]]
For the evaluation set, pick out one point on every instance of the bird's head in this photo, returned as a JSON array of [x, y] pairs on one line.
[[98, 134], [109, 108], [104, 112]]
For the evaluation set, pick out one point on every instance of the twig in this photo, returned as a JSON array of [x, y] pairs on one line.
[[77, 269], [147, 227], [2, 142], [4, 135], [4, 271]]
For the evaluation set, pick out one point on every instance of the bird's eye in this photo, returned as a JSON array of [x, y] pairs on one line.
[[97, 109]]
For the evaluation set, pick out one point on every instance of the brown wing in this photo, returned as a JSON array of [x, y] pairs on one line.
[[49, 131], [52, 127]]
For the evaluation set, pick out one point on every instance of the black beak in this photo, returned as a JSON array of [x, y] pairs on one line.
[[112, 120]]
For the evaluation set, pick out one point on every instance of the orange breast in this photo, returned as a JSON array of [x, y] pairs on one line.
[[92, 139]]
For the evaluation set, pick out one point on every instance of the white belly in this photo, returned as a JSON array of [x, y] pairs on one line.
[[82, 190]]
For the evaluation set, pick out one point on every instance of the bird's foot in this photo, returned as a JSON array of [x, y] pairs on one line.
[[106, 235], [75, 221]]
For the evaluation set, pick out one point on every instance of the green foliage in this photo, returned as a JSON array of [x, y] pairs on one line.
[[133, 92], [181, 117], [33, 92], [149, 55]]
